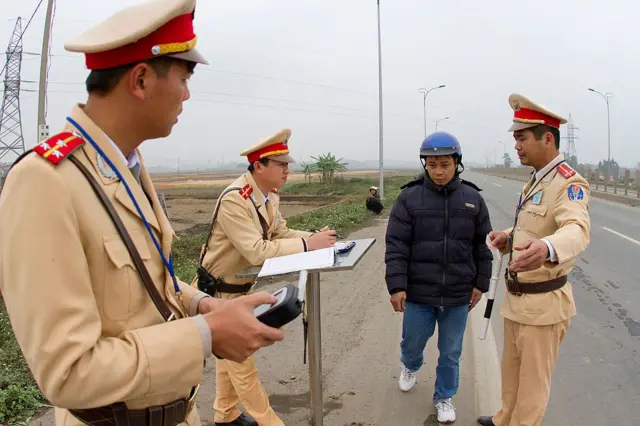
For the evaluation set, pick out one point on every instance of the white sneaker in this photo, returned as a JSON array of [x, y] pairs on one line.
[[407, 379], [446, 411]]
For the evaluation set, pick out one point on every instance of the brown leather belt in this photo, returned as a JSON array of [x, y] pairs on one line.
[[519, 288], [171, 414], [223, 287]]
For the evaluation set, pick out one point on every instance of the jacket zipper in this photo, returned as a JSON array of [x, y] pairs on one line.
[[444, 257]]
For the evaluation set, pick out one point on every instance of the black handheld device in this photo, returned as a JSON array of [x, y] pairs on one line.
[[286, 308]]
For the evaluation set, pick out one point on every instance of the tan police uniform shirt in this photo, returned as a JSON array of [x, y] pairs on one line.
[[83, 318], [237, 240], [549, 212]]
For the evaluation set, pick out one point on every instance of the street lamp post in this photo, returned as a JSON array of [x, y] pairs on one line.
[[606, 97], [439, 120], [425, 92], [381, 153]]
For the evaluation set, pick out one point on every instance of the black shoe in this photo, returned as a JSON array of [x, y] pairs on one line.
[[486, 421], [243, 420]]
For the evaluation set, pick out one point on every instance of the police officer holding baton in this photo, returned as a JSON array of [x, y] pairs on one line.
[[551, 229]]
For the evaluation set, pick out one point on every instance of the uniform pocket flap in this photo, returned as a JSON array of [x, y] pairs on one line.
[[537, 209], [117, 250]]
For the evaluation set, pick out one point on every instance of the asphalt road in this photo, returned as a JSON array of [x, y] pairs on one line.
[[597, 377]]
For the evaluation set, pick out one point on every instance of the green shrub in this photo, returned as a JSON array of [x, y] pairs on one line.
[[18, 403], [19, 395]]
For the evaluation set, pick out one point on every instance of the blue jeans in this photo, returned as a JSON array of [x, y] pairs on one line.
[[418, 325]]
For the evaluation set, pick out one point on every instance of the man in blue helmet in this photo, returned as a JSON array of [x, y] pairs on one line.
[[438, 264]]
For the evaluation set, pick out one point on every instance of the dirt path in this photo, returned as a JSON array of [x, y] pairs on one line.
[[361, 336]]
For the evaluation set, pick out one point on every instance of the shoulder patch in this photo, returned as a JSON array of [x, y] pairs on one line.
[[413, 183], [246, 191], [471, 184], [575, 193], [58, 147], [566, 170]]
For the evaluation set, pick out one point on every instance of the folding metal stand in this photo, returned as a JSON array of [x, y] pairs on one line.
[[344, 262]]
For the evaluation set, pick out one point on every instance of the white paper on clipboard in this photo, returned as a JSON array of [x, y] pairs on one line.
[[308, 261]]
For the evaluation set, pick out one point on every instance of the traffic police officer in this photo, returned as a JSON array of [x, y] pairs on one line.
[[248, 228], [551, 229], [110, 334]]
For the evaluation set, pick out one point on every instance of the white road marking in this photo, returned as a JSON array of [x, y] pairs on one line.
[[621, 235], [497, 184]]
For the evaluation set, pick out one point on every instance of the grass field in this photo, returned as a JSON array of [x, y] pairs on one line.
[[342, 216]]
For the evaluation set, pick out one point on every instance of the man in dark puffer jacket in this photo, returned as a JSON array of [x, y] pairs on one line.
[[438, 264]]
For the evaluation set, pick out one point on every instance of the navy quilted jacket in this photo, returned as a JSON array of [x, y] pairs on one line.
[[436, 243]]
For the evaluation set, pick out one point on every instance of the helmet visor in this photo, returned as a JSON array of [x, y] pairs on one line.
[[424, 152]]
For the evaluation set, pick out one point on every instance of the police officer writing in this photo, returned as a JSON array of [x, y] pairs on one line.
[[110, 334], [551, 229], [247, 229]]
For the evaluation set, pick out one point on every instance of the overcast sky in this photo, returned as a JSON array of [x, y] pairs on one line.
[[312, 66]]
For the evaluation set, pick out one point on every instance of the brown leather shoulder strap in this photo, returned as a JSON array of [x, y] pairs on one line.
[[213, 221], [126, 238], [263, 222]]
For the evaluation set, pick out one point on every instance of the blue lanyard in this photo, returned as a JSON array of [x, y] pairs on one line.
[[515, 222], [168, 264]]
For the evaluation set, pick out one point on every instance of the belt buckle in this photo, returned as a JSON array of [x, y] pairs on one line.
[[190, 403], [192, 399], [515, 283]]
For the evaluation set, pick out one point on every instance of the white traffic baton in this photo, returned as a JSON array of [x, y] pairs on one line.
[[496, 267]]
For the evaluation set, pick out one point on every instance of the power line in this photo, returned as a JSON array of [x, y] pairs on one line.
[[23, 31], [263, 106], [263, 98], [265, 77], [323, 86]]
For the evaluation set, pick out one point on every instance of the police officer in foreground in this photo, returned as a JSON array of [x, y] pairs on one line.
[[111, 336], [551, 229], [247, 229]]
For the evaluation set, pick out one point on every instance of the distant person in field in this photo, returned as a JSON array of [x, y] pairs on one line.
[[438, 264], [373, 202]]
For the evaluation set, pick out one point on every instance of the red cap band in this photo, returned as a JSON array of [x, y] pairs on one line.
[[532, 115], [269, 150], [173, 37]]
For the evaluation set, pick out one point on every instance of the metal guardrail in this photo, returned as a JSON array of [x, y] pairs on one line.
[[621, 190]]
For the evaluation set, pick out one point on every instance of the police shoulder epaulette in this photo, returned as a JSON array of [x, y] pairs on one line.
[[566, 170], [246, 191], [413, 183], [58, 147], [471, 184]]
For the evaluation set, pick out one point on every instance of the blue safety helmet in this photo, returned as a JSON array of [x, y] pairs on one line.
[[441, 143]]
